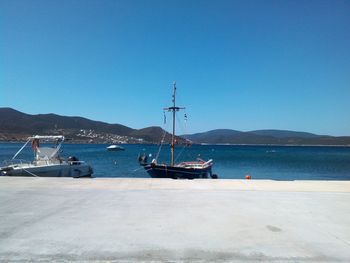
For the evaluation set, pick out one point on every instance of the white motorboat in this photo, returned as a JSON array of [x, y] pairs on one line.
[[115, 148], [47, 161]]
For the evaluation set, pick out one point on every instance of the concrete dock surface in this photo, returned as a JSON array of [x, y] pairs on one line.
[[164, 220]]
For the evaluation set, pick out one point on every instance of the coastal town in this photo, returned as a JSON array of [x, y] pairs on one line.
[[81, 136]]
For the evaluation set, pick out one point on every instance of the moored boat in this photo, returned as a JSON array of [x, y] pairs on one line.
[[183, 170], [47, 161], [115, 148]]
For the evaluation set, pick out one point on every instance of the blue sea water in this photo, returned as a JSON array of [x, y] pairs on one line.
[[261, 162]]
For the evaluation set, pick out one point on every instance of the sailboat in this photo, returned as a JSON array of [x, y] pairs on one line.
[[183, 170]]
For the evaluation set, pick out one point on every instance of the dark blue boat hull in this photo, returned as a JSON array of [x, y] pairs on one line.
[[166, 171]]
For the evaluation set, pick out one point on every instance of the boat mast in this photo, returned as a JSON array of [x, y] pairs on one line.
[[173, 134], [173, 109]]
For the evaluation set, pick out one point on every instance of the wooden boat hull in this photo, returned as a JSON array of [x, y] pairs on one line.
[[174, 172]]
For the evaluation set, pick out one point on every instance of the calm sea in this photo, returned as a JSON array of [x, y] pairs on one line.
[[261, 162]]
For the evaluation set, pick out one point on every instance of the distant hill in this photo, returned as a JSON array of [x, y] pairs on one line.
[[152, 134], [284, 134], [16, 121], [16, 125], [262, 137]]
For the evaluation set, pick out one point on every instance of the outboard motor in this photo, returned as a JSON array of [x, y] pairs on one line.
[[73, 160]]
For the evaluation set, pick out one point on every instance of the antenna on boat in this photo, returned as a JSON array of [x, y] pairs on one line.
[[173, 109]]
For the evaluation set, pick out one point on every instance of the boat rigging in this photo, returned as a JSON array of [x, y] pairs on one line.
[[182, 170]]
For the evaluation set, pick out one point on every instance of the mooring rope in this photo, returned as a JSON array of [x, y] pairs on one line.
[[30, 173], [161, 144]]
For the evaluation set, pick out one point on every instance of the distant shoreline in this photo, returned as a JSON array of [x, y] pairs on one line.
[[204, 144], [279, 145], [16, 126]]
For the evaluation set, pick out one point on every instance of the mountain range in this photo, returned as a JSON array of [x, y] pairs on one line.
[[266, 137], [17, 126]]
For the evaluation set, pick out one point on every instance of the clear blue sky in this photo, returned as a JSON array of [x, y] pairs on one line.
[[242, 65]]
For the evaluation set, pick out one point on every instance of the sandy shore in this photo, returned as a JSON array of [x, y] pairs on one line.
[[164, 220]]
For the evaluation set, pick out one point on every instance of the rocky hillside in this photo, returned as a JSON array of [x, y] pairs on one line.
[[276, 137], [15, 125]]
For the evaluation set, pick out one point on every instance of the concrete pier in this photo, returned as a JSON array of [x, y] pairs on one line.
[[164, 220]]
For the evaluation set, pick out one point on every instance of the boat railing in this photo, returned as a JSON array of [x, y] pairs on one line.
[[45, 162], [13, 162], [196, 164]]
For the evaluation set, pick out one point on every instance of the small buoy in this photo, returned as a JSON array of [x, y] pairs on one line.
[[248, 177]]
